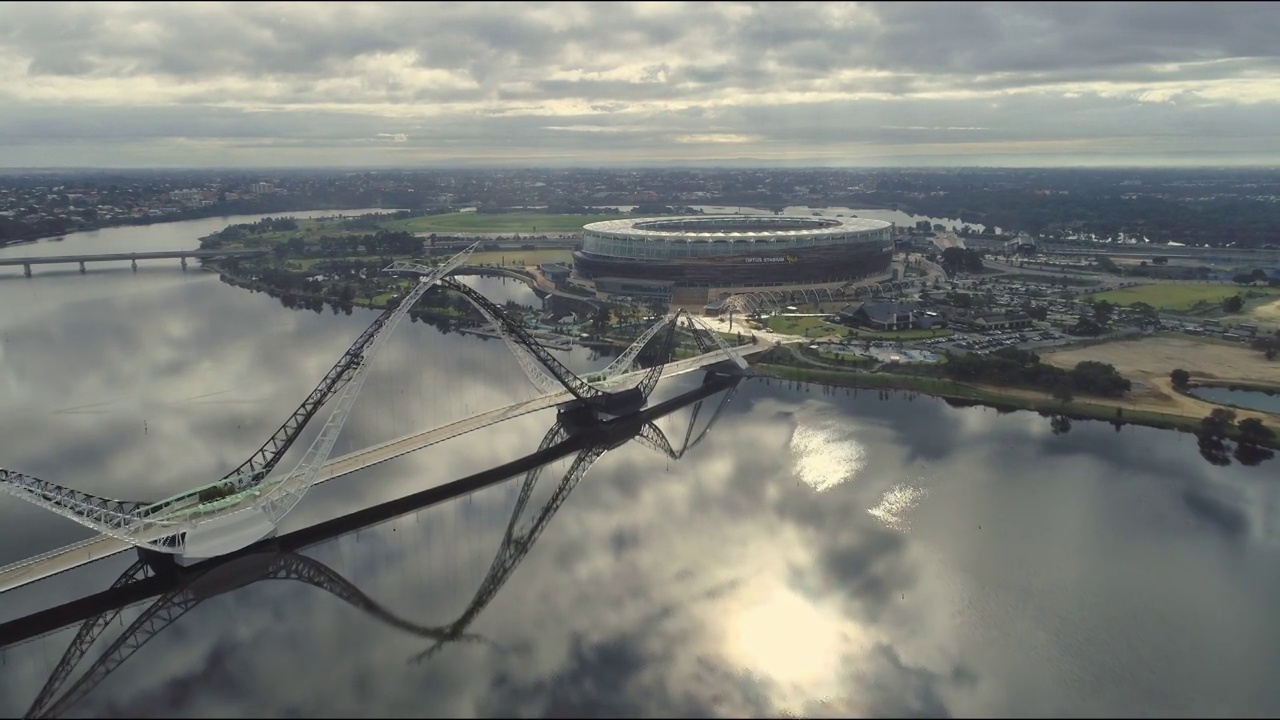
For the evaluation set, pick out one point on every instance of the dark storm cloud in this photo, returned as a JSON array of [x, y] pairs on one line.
[[188, 83], [796, 39]]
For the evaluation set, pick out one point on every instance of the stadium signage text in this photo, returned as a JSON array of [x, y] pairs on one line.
[[786, 259]]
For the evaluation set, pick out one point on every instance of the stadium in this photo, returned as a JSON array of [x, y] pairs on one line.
[[703, 254]]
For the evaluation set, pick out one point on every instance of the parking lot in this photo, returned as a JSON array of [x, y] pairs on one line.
[[1030, 339]]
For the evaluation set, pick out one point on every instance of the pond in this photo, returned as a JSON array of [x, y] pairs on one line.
[[1248, 399]]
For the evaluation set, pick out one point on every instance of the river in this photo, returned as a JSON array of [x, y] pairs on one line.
[[820, 553]]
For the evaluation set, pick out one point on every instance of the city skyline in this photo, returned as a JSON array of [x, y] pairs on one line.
[[637, 84]]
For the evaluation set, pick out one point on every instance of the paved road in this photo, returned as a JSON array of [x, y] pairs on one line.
[[105, 257]]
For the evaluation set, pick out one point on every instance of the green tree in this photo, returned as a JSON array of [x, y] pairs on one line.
[[1215, 424], [1060, 424], [1254, 431], [1148, 316], [1249, 450], [1103, 311], [1063, 392], [1035, 312], [1181, 378]]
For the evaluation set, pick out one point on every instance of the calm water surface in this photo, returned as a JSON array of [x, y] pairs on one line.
[[819, 554], [1252, 399]]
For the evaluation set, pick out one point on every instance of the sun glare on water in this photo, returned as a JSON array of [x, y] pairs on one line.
[[793, 643], [825, 454], [894, 505]]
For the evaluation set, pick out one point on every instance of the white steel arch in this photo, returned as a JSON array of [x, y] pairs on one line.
[[228, 523]]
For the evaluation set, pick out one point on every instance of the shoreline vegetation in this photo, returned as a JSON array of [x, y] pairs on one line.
[[1006, 383], [1002, 399]]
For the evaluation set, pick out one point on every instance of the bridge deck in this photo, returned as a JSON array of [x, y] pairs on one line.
[[104, 257], [96, 548]]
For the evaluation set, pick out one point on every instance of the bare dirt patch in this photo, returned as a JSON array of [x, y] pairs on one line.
[[1269, 312], [1148, 362], [1156, 357]]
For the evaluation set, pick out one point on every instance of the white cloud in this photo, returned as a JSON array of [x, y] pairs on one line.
[[768, 79]]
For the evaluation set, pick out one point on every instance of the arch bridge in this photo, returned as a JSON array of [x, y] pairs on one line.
[[187, 591], [248, 503]]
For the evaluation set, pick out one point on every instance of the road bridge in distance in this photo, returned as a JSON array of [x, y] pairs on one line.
[[132, 258]]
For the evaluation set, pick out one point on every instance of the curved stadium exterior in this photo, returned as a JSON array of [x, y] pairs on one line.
[[727, 251]]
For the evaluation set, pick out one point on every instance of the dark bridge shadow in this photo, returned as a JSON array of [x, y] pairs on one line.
[[174, 591], [110, 516]]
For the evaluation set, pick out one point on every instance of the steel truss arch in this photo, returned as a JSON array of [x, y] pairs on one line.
[[92, 512], [172, 519], [516, 544], [622, 364], [88, 634], [578, 387], [538, 375], [283, 495], [262, 462], [169, 608]]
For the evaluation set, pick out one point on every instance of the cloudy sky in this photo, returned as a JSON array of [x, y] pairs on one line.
[[599, 84]]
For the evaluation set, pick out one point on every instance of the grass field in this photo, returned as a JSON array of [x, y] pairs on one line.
[[526, 223], [789, 325], [1177, 296], [309, 230]]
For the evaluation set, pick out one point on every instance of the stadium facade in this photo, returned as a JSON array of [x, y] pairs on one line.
[[661, 255]]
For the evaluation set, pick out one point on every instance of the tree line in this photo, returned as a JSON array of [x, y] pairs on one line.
[[1012, 367]]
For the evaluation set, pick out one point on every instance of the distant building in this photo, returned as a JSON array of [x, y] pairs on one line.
[[982, 322], [1024, 243], [733, 251], [555, 272], [890, 315]]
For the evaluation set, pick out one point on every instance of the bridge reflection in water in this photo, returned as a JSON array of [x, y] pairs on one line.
[[249, 502], [174, 590]]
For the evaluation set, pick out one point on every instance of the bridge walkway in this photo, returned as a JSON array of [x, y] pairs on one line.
[[82, 553]]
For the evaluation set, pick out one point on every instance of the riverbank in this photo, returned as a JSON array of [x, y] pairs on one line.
[[1122, 411], [1150, 403]]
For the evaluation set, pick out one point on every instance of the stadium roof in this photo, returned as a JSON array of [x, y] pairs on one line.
[[771, 226]]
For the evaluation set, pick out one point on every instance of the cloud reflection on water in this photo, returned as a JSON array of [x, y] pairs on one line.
[[1037, 570]]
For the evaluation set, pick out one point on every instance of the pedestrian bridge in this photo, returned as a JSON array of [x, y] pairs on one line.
[[249, 502]]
